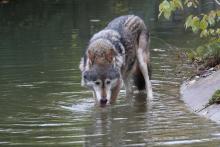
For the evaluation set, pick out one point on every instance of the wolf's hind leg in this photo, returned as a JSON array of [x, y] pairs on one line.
[[143, 59], [138, 78]]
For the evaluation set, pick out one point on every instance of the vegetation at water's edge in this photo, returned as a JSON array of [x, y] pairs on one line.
[[206, 25], [215, 99], [205, 56]]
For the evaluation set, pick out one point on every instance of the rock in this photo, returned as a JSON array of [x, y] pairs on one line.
[[197, 94]]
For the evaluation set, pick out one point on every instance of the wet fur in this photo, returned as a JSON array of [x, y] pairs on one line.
[[119, 51]]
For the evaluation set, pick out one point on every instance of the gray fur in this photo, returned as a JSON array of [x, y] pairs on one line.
[[112, 52], [98, 72]]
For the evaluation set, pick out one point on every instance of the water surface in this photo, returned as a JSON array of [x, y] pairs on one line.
[[43, 104]]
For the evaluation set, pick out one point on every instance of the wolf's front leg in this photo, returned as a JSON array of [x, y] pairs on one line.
[[127, 85], [115, 91]]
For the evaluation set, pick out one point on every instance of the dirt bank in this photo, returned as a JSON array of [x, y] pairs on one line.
[[196, 94]]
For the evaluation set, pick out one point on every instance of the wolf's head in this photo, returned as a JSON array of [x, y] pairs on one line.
[[102, 79], [99, 70]]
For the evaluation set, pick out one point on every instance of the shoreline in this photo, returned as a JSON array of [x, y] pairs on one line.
[[197, 92]]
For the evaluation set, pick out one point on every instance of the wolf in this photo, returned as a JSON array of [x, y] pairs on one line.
[[114, 55]]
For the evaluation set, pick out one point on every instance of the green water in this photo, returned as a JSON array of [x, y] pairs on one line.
[[42, 102]]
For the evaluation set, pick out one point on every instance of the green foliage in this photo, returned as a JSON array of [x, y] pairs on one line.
[[205, 24], [207, 54], [191, 3], [215, 98], [167, 7]]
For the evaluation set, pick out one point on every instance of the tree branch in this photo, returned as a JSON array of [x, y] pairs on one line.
[[217, 1]]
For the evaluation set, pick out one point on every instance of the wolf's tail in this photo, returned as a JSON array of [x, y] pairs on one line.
[[138, 78]]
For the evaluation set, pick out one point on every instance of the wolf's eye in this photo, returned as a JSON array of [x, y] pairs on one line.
[[85, 77], [108, 82], [97, 83]]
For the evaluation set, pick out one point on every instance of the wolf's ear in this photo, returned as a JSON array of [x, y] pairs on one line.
[[110, 56], [91, 57]]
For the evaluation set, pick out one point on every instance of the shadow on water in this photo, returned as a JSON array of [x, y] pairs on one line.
[[42, 102]]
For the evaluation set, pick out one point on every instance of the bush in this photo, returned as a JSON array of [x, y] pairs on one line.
[[207, 25], [207, 55]]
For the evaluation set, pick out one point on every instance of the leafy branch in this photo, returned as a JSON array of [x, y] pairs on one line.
[[217, 2], [206, 24]]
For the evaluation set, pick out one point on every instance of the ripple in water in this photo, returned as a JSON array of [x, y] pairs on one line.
[[80, 107]]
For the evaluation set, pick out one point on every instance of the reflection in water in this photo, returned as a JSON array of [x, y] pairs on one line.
[[42, 102], [117, 128]]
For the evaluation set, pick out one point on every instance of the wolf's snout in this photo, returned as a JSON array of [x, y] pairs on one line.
[[103, 101]]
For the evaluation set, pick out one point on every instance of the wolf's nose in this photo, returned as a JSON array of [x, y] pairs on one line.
[[103, 101]]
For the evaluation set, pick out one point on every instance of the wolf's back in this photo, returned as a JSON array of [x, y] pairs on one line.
[[128, 23]]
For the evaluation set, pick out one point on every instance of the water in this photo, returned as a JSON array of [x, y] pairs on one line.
[[43, 104]]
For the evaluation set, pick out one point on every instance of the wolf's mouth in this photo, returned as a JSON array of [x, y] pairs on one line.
[[103, 102]]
